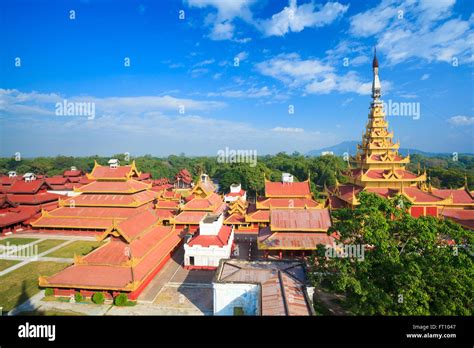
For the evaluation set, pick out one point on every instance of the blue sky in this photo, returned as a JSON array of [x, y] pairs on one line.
[[184, 93]]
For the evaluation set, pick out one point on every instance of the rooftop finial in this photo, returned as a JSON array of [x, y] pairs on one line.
[[375, 62]]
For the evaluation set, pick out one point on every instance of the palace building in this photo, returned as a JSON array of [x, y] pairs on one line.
[[113, 195], [287, 194], [295, 233], [379, 168], [202, 200], [22, 200], [134, 252]]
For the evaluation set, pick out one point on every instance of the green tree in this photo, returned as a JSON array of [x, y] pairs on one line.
[[408, 266]]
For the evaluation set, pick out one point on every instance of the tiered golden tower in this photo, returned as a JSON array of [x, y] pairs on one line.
[[377, 162]]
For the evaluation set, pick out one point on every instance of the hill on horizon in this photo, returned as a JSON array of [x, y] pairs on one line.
[[351, 147]]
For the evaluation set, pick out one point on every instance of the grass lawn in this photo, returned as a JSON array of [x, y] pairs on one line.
[[17, 241], [48, 244], [79, 248], [17, 286], [4, 264]]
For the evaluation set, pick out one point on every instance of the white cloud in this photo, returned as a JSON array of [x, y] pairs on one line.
[[249, 93], [406, 29], [227, 11], [14, 102], [425, 77], [290, 69], [291, 18], [287, 130], [461, 120], [205, 62], [313, 75], [296, 18], [148, 125], [242, 55]]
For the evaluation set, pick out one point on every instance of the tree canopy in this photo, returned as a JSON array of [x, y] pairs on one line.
[[411, 266]]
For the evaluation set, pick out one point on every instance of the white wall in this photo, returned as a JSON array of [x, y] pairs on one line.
[[208, 256], [230, 295]]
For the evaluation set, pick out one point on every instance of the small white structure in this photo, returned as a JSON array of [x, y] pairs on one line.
[[286, 177], [73, 168], [28, 177], [114, 163], [212, 243], [12, 174], [327, 153], [235, 193], [243, 287]]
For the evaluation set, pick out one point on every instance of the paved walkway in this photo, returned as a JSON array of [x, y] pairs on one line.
[[164, 276]]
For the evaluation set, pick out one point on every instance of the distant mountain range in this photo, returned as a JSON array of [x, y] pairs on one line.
[[351, 148]]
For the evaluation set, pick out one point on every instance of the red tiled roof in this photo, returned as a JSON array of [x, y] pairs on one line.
[[7, 181], [292, 240], [72, 173], [288, 202], [260, 215], [110, 200], [463, 217], [336, 203], [21, 186], [98, 212], [14, 216], [210, 202], [206, 241], [106, 266], [299, 219], [136, 224], [460, 196], [379, 174], [421, 196], [104, 172], [235, 219], [144, 176], [114, 186], [164, 214], [190, 217], [38, 198], [56, 180], [235, 194], [287, 189], [167, 205], [72, 222]]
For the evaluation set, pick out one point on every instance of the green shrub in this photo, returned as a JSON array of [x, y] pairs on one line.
[[98, 298], [78, 297], [121, 300], [49, 292]]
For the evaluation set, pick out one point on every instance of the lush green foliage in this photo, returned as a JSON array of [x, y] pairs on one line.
[[408, 270], [48, 292], [121, 300], [324, 169], [444, 171], [98, 298], [78, 297]]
